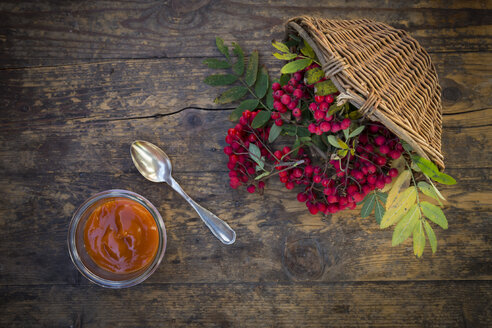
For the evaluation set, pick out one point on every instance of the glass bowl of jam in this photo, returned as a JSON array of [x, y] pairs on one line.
[[116, 239]]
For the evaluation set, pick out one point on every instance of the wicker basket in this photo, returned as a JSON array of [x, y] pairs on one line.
[[382, 71]]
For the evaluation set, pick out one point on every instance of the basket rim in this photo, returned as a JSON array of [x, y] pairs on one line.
[[347, 95]]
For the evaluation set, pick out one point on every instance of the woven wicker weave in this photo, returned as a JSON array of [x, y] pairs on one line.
[[382, 71]]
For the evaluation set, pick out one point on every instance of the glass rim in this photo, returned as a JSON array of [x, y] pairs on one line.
[[74, 252]]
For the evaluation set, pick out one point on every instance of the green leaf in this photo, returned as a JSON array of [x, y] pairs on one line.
[[215, 63], [428, 190], [308, 51], [405, 227], [303, 132], [357, 131], [274, 133], [238, 67], [325, 88], [252, 70], [261, 85], [284, 56], [284, 79], [444, 179], [261, 118], [222, 48], [305, 139], [289, 129], [295, 38], [368, 206], [354, 115], [296, 147], [379, 211], [414, 166], [317, 141], [264, 174], [399, 208], [248, 104], [296, 65], [220, 79], [346, 134], [333, 141], [280, 46], [269, 97], [314, 75], [333, 109], [434, 213], [431, 170], [382, 196], [230, 95], [431, 235], [418, 240], [406, 146], [255, 153]]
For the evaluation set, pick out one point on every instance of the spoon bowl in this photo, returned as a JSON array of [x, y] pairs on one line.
[[153, 163]]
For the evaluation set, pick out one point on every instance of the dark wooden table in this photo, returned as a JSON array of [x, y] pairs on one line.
[[79, 81]]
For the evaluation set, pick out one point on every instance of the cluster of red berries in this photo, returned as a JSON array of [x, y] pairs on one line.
[[332, 186], [288, 97], [324, 122], [242, 167], [355, 175]]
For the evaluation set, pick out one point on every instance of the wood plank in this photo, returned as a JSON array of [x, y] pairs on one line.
[[402, 304], [125, 89], [278, 240], [54, 33]]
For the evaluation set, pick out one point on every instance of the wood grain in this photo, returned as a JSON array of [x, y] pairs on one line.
[[58, 32], [135, 88], [400, 304]]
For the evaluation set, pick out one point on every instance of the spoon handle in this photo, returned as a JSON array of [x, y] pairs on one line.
[[219, 228]]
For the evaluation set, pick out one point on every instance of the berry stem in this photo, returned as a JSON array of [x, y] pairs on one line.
[[261, 141], [277, 172]]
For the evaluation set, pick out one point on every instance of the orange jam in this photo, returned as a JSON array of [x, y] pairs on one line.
[[121, 235]]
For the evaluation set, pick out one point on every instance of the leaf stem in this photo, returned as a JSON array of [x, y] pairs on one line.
[[244, 83], [250, 91], [277, 172], [415, 184]]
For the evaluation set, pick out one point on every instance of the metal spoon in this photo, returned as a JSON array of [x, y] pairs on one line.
[[153, 163]]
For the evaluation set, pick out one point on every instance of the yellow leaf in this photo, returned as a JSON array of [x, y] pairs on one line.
[[405, 227], [418, 240], [399, 207], [401, 183]]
